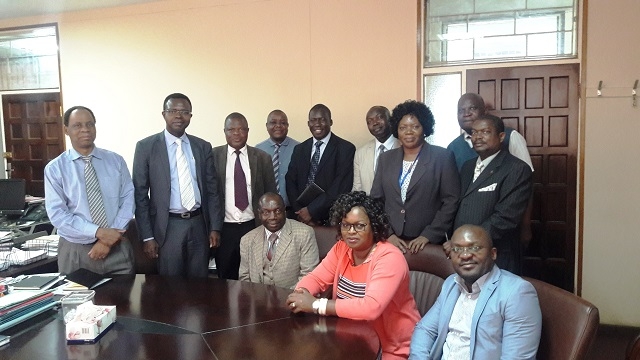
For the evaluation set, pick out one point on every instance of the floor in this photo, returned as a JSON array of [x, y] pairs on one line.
[[611, 342]]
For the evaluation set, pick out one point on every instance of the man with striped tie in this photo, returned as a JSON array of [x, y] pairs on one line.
[[177, 203], [89, 200], [280, 147]]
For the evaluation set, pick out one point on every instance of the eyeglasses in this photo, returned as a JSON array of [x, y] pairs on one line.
[[466, 249], [346, 227], [276, 212], [174, 112]]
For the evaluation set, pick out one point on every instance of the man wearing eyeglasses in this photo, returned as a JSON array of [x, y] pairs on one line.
[[325, 160], [482, 312], [280, 251], [178, 210], [244, 175], [496, 187]]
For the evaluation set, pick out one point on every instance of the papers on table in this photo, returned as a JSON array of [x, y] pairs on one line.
[[48, 243], [16, 256]]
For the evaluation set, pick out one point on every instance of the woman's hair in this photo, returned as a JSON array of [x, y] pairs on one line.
[[417, 109], [378, 218]]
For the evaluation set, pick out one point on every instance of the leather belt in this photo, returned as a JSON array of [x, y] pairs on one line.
[[187, 215]]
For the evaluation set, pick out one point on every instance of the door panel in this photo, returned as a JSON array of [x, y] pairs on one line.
[[33, 134], [541, 102]]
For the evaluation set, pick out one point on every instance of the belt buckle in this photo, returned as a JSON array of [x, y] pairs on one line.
[[186, 215]]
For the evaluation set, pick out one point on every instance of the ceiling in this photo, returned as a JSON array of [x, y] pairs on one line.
[[23, 8]]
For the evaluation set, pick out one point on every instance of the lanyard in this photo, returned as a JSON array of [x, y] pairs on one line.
[[402, 179]]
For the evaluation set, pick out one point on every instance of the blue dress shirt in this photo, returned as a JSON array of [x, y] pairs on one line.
[[175, 203], [286, 150], [66, 194]]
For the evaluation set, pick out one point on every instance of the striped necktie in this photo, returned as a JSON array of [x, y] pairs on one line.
[[94, 195], [271, 249], [275, 160], [314, 164], [187, 195]]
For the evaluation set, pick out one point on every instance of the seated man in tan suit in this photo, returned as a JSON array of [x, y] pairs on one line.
[[280, 251]]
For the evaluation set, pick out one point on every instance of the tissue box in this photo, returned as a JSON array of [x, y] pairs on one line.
[[89, 323]]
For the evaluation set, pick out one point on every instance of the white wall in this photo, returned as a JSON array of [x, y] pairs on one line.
[[612, 171]]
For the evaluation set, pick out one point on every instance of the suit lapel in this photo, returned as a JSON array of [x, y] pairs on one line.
[[328, 153], [421, 167], [369, 154], [253, 167], [486, 174], [395, 169], [485, 294], [160, 148]]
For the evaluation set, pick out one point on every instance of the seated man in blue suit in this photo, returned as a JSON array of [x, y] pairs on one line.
[[482, 312]]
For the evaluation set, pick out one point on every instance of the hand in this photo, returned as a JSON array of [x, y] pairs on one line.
[[399, 243], [150, 248], [304, 216], [109, 236], [302, 299], [99, 251], [447, 248], [418, 244], [214, 239]]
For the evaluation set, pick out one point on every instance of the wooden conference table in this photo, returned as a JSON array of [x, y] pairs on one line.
[[175, 318]]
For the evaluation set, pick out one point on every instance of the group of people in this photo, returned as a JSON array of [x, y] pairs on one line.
[[252, 208]]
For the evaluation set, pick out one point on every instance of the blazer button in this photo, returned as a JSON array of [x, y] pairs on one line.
[[402, 211]]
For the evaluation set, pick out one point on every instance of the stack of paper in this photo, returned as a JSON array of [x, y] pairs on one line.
[[48, 243], [22, 305], [16, 256]]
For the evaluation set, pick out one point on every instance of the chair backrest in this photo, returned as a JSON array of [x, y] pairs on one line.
[[569, 323], [142, 264], [427, 270], [633, 349], [326, 237]]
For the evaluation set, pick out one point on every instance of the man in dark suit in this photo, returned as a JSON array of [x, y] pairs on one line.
[[177, 204], [244, 175], [495, 191], [324, 159]]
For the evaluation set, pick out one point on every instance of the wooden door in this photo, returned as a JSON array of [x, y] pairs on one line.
[[541, 102], [33, 135]]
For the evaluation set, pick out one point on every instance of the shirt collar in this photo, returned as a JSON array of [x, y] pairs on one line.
[[478, 285], [230, 150], [325, 140], [488, 160], [170, 139], [74, 155], [284, 142], [387, 144]]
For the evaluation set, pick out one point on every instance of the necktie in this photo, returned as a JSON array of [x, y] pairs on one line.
[[271, 249], [381, 149], [314, 163], [477, 171], [275, 160], [240, 185], [94, 195], [187, 196]]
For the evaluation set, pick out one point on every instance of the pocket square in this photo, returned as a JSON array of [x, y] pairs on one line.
[[491, 187]]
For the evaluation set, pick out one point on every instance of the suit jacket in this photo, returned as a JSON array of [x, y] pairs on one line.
[[497, 199], [334, 176], [296, 254], [432, 197], [363, 169], [506, 321], [262, 178], [152, 184]]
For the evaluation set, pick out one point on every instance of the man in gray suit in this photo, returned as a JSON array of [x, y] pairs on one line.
[[280, 251], [496, 187], [177, 204], [244, 175], [366, 159]]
